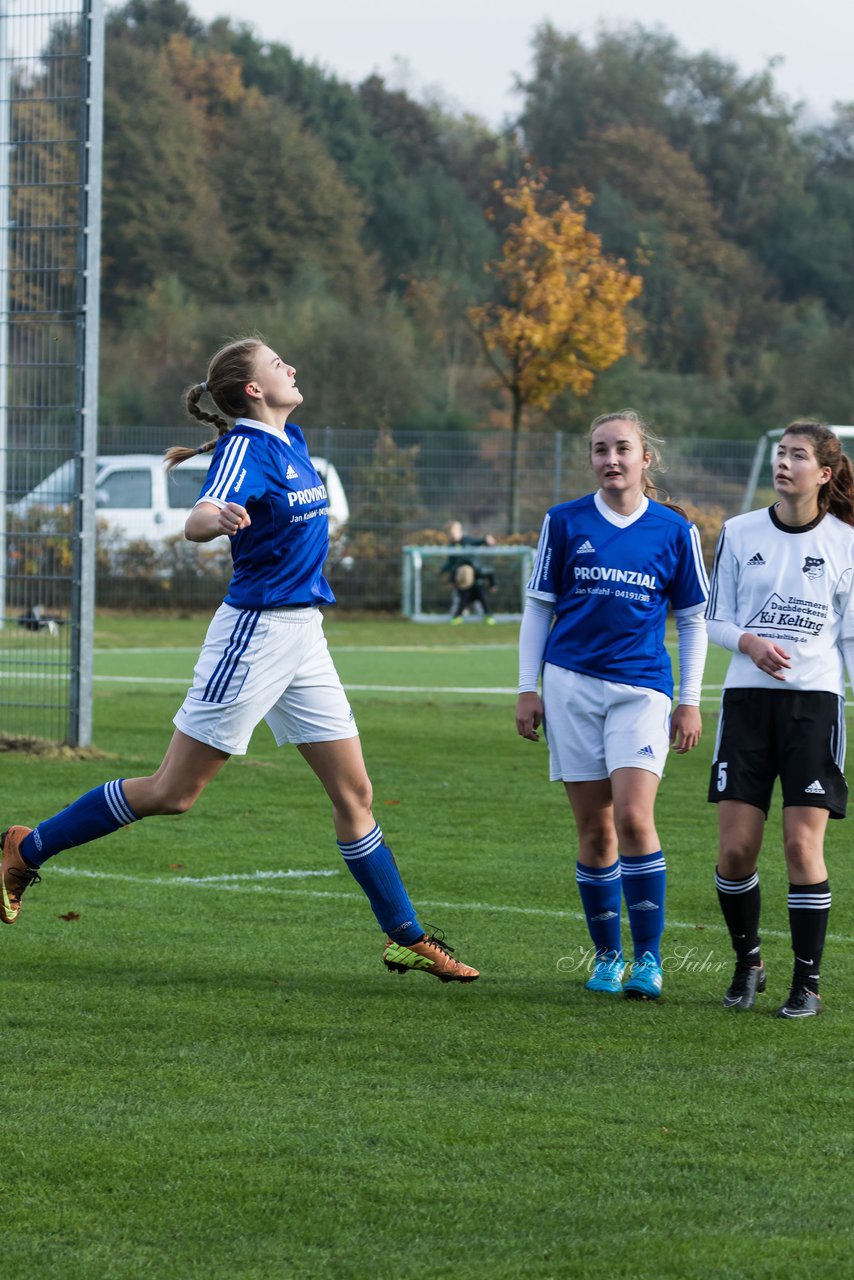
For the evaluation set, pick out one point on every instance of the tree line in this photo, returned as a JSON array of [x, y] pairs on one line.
[[361, 231]]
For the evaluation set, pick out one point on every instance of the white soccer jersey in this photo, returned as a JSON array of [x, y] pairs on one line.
[[792, 586]]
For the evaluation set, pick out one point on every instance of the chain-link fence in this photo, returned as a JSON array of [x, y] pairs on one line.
[[51, 72], [396, 489]]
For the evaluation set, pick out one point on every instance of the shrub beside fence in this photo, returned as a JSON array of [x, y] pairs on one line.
[[402, 488]]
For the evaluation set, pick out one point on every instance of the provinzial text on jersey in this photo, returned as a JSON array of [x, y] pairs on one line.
[[630, 576], [316, 494]]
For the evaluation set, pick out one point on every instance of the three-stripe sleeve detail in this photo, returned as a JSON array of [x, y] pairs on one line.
[[533, 584], [699, 566], [713, 588], [228, 468]]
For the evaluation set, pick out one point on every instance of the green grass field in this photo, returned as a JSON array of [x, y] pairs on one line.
[[208, 1073]]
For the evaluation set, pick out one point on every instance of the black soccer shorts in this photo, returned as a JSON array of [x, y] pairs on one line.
[[794, 735]]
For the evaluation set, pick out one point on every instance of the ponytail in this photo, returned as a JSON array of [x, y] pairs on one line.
[[840, 492], [180, 453], [229, 371]]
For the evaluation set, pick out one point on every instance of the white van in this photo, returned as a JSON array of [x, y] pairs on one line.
[[137, 498]]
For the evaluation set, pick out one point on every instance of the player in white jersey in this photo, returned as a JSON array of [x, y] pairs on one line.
[[782, 600], [608, 568], [265, 657]]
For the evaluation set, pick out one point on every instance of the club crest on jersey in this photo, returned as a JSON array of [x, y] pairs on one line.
[[814, 567]]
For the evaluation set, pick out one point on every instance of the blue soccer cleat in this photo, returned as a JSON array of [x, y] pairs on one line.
[[646, 980], [607, 974]]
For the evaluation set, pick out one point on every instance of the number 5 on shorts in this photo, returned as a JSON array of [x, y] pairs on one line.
[[722, 767]]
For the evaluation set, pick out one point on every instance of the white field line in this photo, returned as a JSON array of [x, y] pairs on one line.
[[334, 648], [183, 682], [711, 696], [260, 882], [219, 882]]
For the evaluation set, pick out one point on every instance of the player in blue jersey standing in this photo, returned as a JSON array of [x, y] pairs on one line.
[[264, 658], [782, 601], [608, 568]]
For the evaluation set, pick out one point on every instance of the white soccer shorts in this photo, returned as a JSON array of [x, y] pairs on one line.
[[595, 726], [271, 665]]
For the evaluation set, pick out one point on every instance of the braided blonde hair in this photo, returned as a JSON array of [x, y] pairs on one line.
[[229, 370]]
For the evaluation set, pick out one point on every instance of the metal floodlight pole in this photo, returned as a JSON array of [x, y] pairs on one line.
[[89, 263]]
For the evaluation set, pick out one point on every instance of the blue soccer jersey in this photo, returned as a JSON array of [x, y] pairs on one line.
[[279, 558], [611, 582]]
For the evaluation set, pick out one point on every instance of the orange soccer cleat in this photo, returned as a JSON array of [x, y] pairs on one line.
[[430, 954], [16, 875]]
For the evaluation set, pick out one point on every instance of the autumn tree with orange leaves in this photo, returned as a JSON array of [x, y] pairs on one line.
[[560, 314]]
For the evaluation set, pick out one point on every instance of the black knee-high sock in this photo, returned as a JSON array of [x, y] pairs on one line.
[[740, 903], [809, 908]]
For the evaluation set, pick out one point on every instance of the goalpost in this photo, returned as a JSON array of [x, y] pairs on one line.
[[427, 592]]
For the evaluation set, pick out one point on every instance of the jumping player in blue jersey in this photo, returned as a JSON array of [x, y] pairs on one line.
[[264, 658], [608, 568]]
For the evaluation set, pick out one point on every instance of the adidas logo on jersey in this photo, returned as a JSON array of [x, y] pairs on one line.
[[647, 752], [814, 789], [757, 559], [291, 473], [587, 548], [646, 905]]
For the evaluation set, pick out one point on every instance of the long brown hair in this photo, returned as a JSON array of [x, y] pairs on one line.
[[650, 443], [229, 370], [837, 496]]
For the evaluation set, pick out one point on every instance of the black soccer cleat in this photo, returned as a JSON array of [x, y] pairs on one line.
[[748, 981], [802, 1003]]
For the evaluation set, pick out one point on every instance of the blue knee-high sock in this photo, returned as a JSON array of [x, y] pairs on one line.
[[97, 813], [372, 865], [599, 888], [644, 883]]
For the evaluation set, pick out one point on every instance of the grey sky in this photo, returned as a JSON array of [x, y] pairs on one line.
[[470, 50]]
